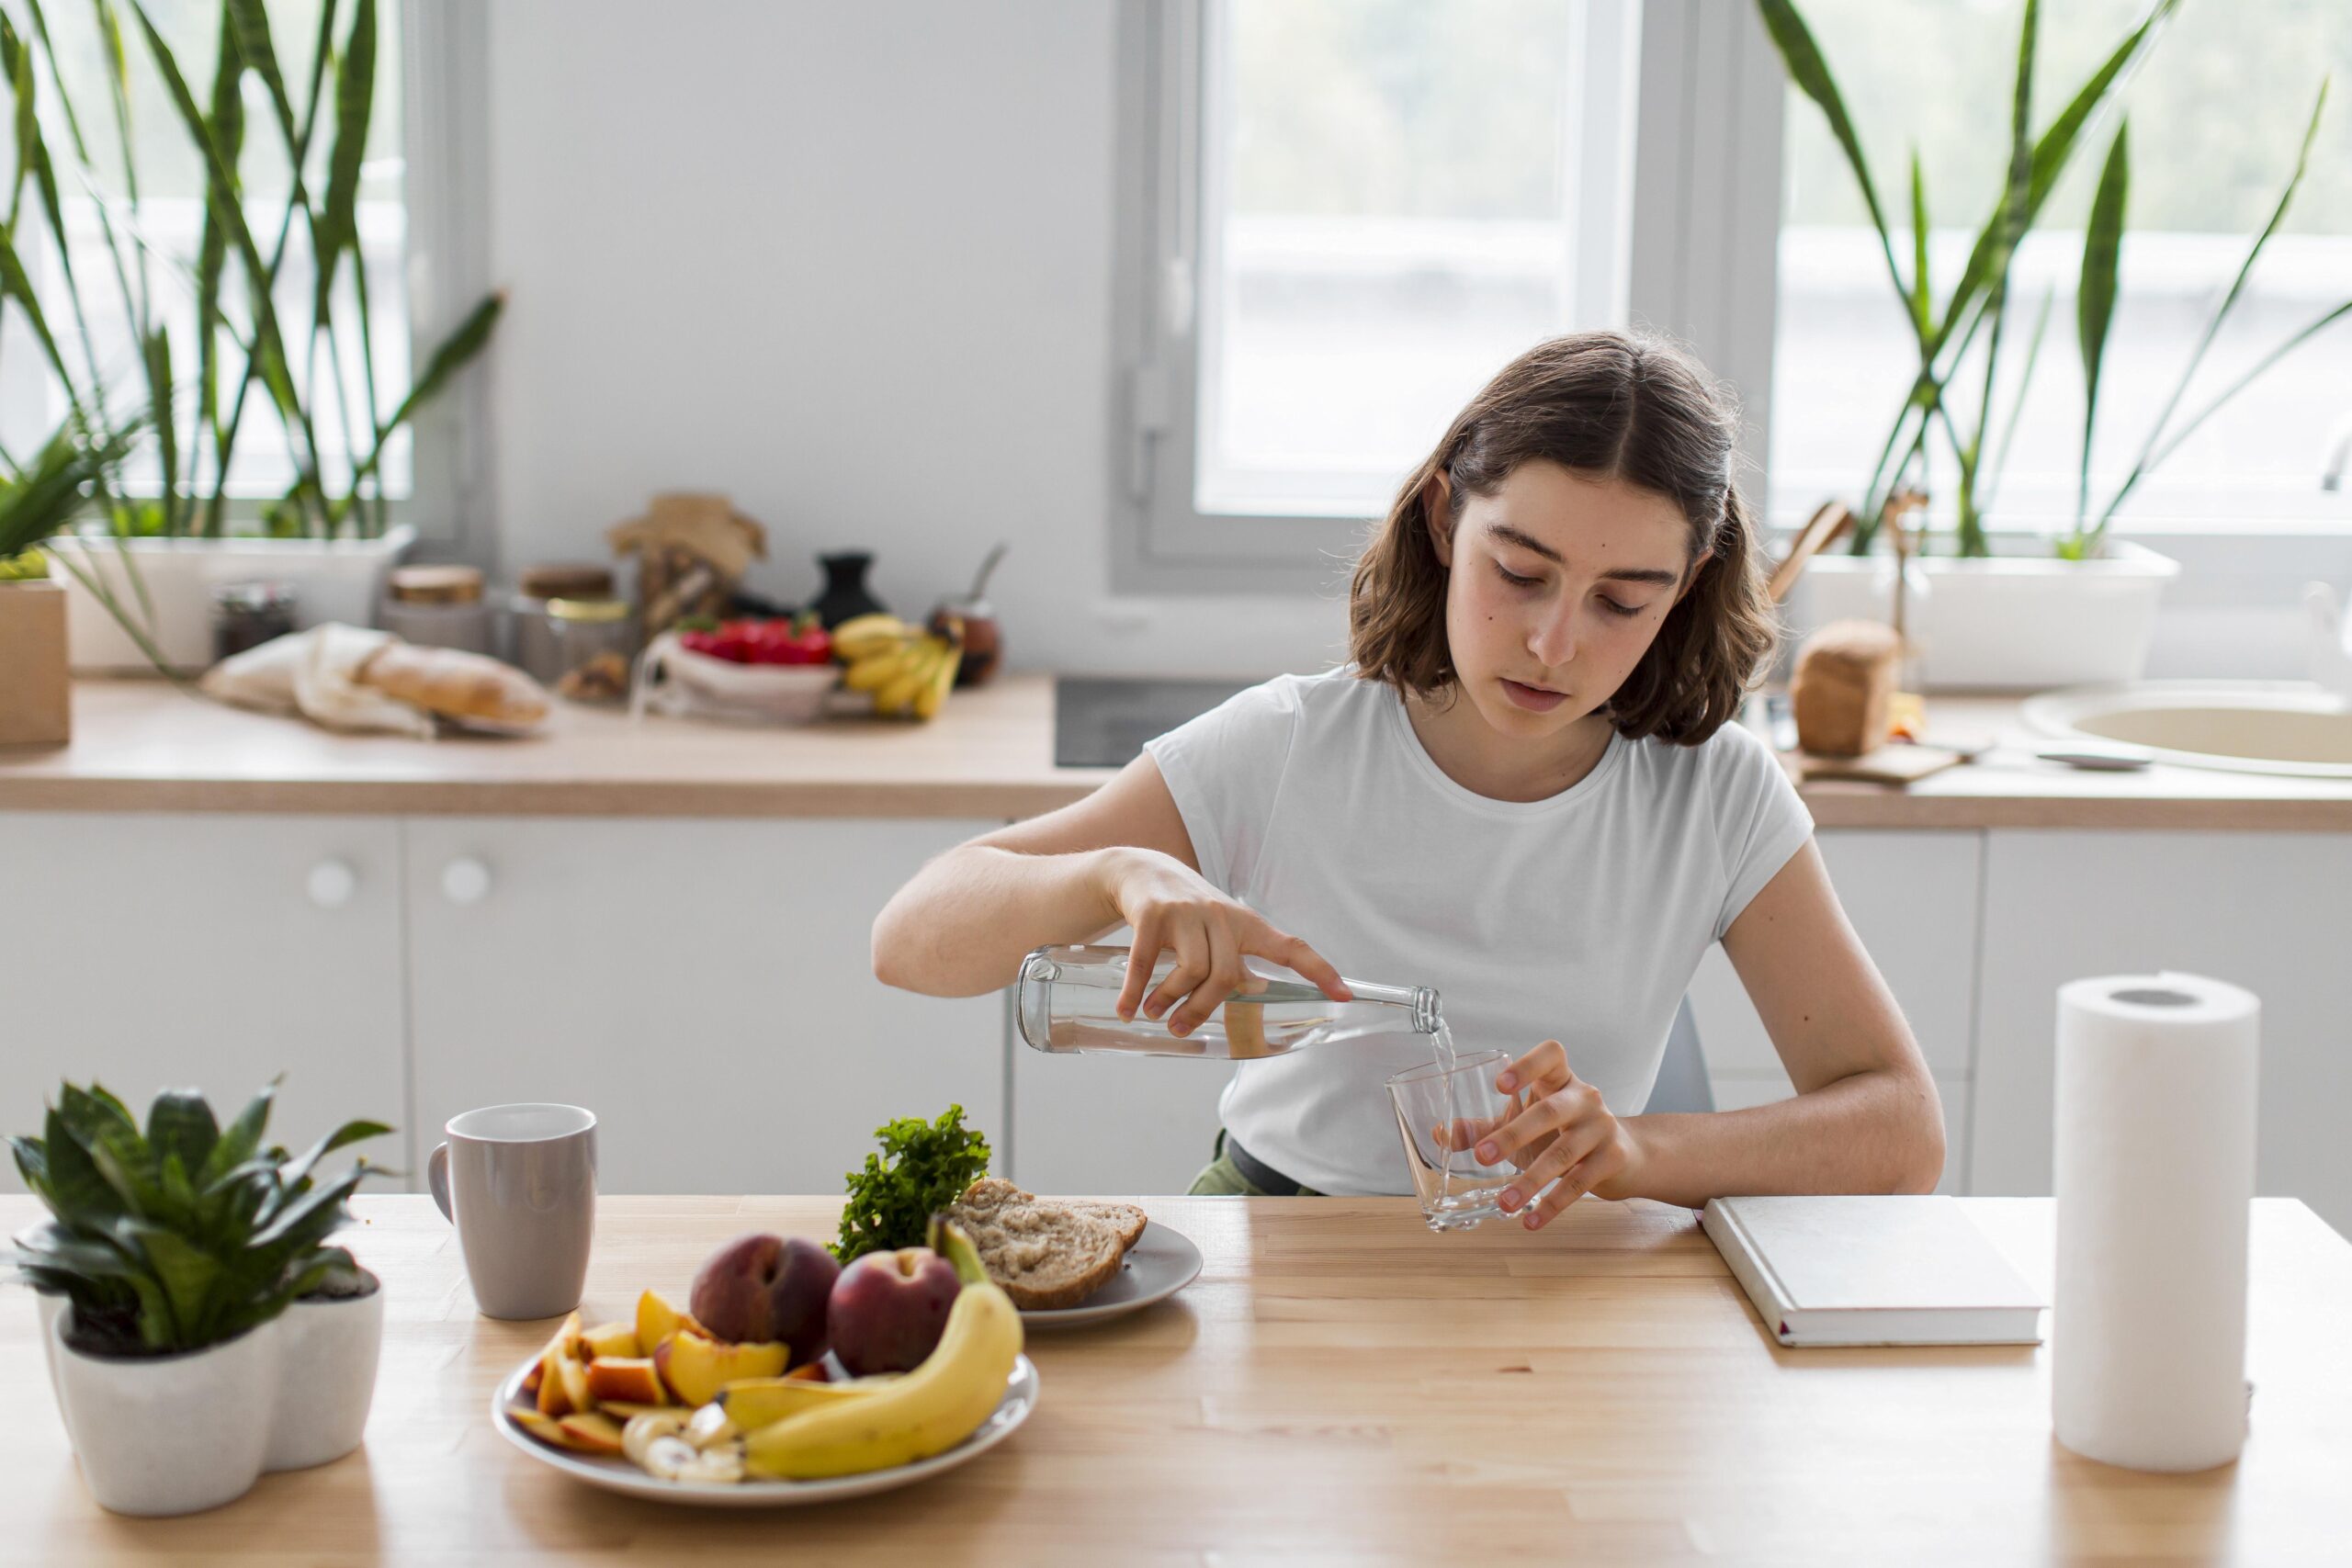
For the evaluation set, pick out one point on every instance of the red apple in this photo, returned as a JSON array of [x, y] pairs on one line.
[[890, 1308]]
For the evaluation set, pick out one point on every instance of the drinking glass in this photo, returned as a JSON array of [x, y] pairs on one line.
[[1444, 1107]]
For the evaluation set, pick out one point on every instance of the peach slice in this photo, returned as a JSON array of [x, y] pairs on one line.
[[628, 1409], [538, 1371], [554, 1399], [753, 1403], [591, 1433], [626, 1378], [574, 1374], [696, 1368], [656, 1321], [611, 1339], [544, 1428]]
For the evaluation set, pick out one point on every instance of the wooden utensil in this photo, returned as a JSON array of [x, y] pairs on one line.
[[1824, 528]]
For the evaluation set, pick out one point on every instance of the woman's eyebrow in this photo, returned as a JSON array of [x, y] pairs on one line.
[[1509, 534]]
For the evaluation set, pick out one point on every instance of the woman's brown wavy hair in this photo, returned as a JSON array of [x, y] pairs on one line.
[[1608, 405]]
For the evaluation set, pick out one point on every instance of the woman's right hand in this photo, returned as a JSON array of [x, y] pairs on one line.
[[1173, 909]]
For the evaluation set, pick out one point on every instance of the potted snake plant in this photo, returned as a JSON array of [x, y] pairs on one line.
[[200, 1329]]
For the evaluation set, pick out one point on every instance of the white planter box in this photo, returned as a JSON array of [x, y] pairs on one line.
[[2021, 619], [338, 580]]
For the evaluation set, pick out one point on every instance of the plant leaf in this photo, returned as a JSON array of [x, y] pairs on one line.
[[181, 1122], [243, 1136], [348, 1134], [1801, 56], [355, 88], [1922, 311], [2094, 295]]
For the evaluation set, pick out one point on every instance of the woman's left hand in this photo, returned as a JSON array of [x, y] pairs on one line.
[[1561, 1131]]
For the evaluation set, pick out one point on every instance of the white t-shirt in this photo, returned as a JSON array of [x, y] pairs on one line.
[[1579, 918]]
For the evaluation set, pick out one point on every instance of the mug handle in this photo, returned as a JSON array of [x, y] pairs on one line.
[[436, 1176]]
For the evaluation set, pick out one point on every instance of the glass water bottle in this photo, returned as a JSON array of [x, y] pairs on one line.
[[1067, 999]]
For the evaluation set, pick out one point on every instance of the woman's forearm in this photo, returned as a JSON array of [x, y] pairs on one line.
[[1874, 1131], [962, 925]]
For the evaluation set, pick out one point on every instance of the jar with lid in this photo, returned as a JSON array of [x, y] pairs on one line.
[[590, 643], [246, 614], [1067, 999], [437, 606], [534, 641]]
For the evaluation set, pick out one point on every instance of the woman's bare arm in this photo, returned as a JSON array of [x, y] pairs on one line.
[[961, 926], [1866, 1117]]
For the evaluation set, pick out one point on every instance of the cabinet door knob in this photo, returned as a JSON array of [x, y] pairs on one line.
[[465, 881], [331, 884]]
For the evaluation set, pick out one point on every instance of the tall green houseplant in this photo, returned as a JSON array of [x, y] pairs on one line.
[[1952, 402], [251, 337]]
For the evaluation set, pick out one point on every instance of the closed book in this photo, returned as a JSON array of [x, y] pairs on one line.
[[1872, 1270]]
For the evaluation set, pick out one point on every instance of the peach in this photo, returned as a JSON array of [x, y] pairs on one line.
[[697, 1367], [539, 1370], [763, 1287], [627, 1409], [610, 1339], [591, 1433], [890, 1308], [574, 1373], [543, 1427], [626, 1378]]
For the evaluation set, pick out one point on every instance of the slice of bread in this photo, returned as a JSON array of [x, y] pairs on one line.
[[1045, 1255], [1124, 1218]]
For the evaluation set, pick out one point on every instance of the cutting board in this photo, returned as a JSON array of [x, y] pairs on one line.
[[1889, 764]]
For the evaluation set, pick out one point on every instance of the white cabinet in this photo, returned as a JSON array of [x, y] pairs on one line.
[[2271, 912], [1912, 897], [163, 952], [705, 987]]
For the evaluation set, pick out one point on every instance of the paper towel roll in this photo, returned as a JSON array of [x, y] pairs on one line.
[[2155, 1172]]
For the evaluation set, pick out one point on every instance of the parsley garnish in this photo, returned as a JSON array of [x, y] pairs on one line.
[[929, 1165]]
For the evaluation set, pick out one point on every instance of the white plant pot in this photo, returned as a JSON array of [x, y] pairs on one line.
[[334, 579], [169, 1434], [2018, 620], [327, 1378], [179, 1434]]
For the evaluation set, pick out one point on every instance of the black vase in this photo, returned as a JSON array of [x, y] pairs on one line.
[[845, 596]]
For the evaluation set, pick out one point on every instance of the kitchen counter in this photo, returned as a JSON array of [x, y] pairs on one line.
[[145, 745], [1339, 1385]]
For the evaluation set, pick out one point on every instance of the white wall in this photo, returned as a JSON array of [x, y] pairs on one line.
[[851, 264]]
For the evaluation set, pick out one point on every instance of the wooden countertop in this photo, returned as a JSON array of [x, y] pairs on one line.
[[144, 746], [1339, 1386]]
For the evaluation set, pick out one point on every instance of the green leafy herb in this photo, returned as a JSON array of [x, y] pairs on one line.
[[923, 1167]]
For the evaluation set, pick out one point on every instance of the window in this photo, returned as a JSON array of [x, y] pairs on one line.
[[2216, 112], [172, 182], [1354, 212]]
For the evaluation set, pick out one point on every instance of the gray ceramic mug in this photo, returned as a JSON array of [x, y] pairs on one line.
[[519, 1182]]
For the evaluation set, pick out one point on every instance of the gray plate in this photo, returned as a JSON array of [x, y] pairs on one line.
[[615, 1474], [1161, 1263]]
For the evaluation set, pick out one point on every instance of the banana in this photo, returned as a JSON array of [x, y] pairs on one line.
[[927, 701], [929, 1411], [878, 670], [898, 694], [862, 635]]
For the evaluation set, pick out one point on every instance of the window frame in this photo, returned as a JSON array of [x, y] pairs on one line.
[[1160, 541]]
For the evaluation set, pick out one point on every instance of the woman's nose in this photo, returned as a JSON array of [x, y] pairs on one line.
[[1554, 638]]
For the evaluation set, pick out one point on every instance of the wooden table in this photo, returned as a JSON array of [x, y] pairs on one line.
[[1339, 1386]]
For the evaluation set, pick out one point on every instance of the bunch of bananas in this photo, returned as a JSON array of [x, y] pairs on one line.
[[906, 669]]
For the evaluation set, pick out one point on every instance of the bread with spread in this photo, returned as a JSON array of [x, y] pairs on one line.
[[1046, 1253]]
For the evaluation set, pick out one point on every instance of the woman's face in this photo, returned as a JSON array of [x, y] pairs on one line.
[[1556, 585]]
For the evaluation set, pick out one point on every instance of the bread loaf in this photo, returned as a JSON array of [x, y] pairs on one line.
[[1045, 1255], [464, 687], [1844, 675]]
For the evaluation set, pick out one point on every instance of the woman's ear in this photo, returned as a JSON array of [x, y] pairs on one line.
[[1437, 513]]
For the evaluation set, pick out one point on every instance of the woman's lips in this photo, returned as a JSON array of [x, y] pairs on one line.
[[1534, 699]]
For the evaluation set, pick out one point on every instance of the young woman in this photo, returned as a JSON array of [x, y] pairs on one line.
[[1525, 790]]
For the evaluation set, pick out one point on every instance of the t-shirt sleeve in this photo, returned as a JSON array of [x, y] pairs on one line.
[[1760, 821], [1225, 770]]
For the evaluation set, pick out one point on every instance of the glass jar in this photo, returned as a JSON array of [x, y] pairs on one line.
[[246, 614], [533, 643], [588, 646], [1067, 1000], [437, 606]]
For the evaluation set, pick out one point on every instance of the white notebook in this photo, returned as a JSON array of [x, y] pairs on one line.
[[1872, 1270]]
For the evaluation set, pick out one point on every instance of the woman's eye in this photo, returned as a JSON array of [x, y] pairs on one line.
[[1513, 577], [1627, 611]]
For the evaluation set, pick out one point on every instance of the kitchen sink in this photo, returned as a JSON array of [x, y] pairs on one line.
[[2250, 726], [1103, 721]]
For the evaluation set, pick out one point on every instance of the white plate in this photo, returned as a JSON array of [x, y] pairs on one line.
[[615, 1474], [1159, 1264]]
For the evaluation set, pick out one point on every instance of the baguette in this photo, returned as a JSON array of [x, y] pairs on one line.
[[1045, 1255], [467, 688]]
